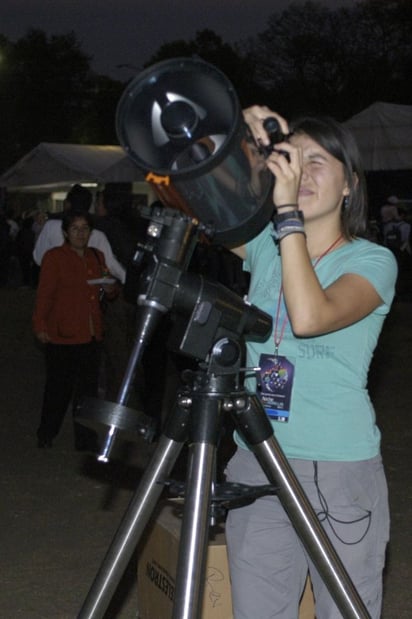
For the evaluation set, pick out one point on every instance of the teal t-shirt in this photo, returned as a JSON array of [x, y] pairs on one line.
[[331, 415]]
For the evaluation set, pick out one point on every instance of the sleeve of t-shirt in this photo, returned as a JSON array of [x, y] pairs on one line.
[[378, 265], [50, 236]]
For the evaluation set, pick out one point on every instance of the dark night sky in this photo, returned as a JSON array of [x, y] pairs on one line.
[[117, 32]]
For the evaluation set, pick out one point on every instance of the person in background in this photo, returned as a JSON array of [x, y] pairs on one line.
[[396, 232], [39, 219], [405, 227], [24, 245], [125, 229], [328, 290], [68, 320], [51, 234], [5, 248], [117, 219], [12, 220], [13, 267], [114, 219]]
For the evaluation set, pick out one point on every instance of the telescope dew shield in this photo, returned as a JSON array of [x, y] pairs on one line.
[[181, 123]]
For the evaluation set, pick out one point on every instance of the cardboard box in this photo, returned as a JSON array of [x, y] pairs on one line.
[[157, 568]]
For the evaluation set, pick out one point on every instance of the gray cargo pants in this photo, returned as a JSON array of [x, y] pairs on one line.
[[268, 563]]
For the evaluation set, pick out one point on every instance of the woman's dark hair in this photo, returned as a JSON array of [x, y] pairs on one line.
[[72, 214], [339, 142]]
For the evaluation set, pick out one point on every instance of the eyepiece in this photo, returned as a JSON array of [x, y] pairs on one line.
[[272, 128]]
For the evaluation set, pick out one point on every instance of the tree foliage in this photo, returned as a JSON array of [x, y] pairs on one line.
[[49, 94], [338, 61]]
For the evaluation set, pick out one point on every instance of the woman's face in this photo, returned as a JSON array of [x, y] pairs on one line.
[[323, 185], [78, 233]]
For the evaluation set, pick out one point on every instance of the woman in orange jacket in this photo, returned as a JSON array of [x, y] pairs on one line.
[[68, 321]]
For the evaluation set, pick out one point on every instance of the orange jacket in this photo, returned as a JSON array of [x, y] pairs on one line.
[[67, 307]]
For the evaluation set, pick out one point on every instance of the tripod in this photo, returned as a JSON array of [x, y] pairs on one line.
[[214, 331]]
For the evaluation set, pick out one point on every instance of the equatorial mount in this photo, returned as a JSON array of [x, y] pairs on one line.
[[204, 312]]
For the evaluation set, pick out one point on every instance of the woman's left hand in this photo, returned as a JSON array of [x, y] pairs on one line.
[[285, 162]]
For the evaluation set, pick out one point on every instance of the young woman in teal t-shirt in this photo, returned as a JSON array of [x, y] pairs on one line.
[[328, 290]]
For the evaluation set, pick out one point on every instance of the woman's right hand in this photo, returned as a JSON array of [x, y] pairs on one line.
[[43, 337]]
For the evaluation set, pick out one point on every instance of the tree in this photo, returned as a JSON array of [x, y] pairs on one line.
[[44, 82], [50, 94], [97, 125], [315, 59], [381, 54]]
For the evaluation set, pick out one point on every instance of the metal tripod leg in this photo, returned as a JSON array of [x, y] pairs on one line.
[[206, 422], [135, 520]]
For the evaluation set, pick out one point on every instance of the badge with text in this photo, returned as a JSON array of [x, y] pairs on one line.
[[275, 380]]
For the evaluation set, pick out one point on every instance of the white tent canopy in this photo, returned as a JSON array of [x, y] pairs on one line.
[[52, 165], [383, 132]]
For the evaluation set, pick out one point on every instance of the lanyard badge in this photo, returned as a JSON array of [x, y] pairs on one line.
[[274, 381]]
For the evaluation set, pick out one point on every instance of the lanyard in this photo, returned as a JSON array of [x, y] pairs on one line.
[[279, 334]]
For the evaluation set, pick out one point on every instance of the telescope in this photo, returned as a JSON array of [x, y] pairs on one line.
[[181, 122]]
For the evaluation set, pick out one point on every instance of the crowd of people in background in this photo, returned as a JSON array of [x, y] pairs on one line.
[[118, 220]]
